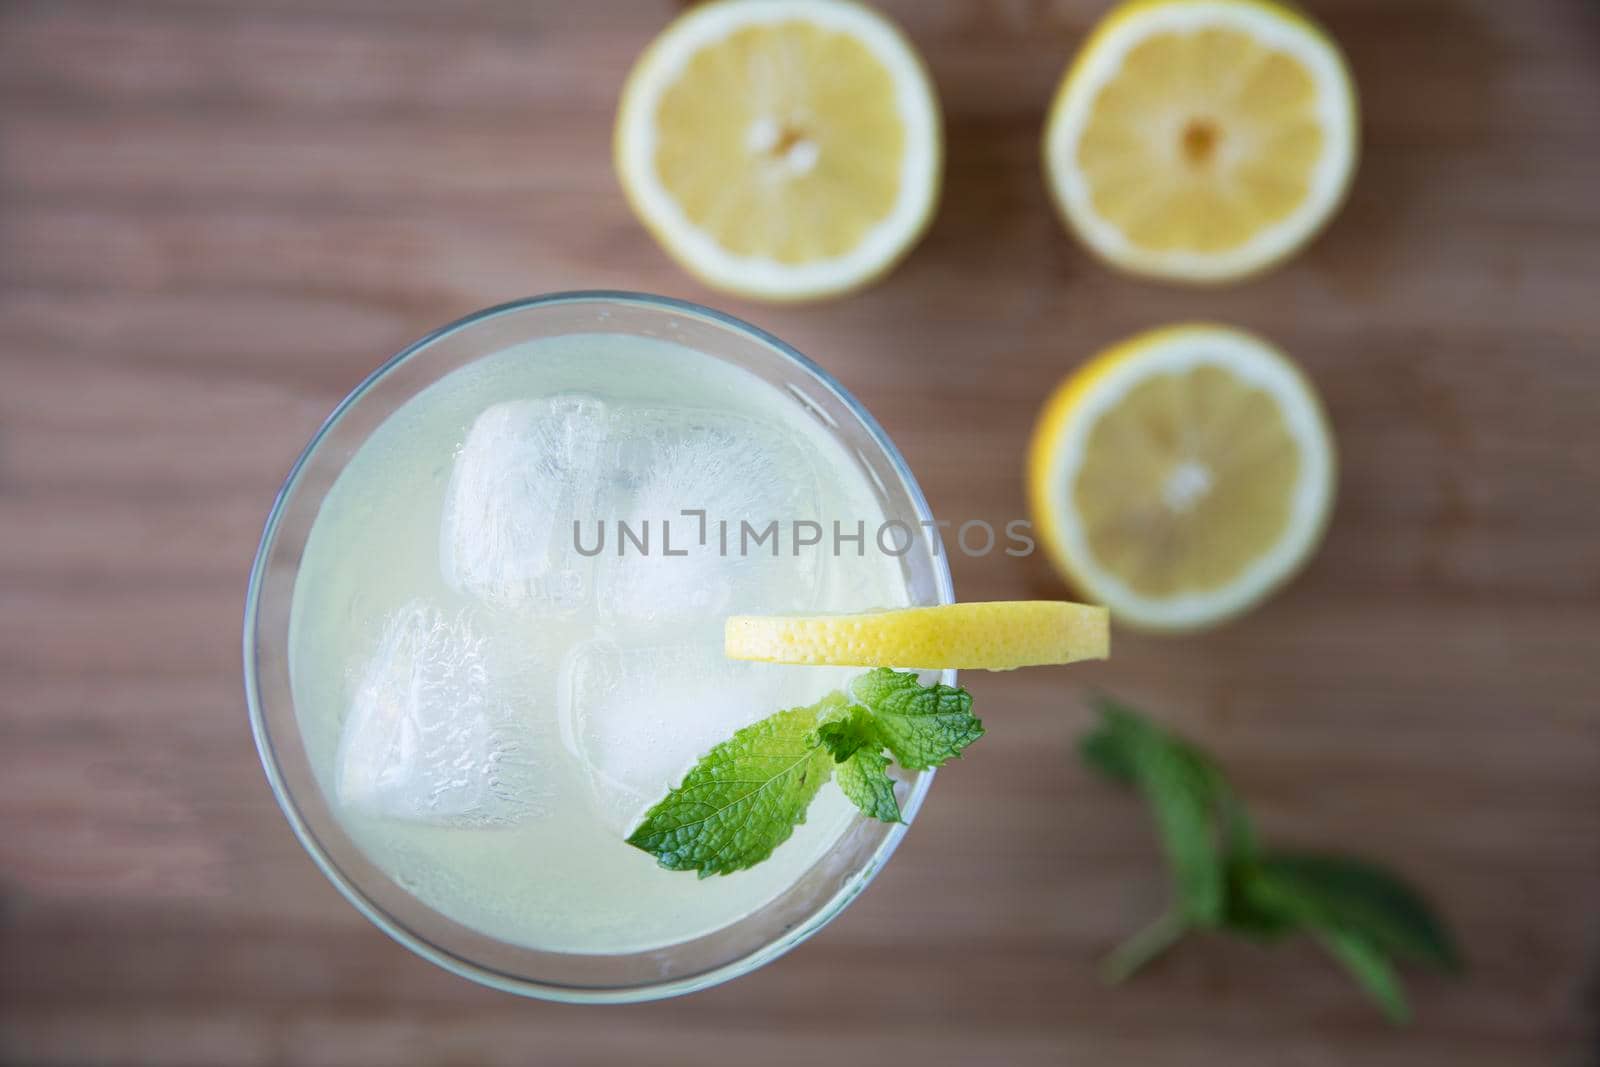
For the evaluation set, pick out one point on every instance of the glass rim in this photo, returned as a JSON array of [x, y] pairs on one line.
[[391, 925]]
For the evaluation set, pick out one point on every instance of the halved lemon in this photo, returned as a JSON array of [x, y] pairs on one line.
[[1202, 140], [781, 149], [992, 636], [1182, 475]]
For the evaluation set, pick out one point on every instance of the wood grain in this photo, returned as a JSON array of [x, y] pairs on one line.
[[216, 216]]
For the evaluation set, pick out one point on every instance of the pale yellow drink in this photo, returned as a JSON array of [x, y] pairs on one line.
[[490, 709]]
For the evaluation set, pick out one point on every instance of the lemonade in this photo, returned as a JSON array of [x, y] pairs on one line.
[[506, 631]]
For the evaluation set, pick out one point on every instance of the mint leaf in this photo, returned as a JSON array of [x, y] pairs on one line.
[[864, 777], [1339, 893], [1181, 799], [1185, 792], [743, 799], [923, 726], [844, 735], [1114, 747], [1371, 970], [862, 769], [1107, 753]]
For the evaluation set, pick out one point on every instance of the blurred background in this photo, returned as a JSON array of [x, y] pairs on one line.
[[216, 217]]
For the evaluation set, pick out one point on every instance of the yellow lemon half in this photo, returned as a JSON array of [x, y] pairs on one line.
[[1202, 140], [781, 149], [1181, 476]]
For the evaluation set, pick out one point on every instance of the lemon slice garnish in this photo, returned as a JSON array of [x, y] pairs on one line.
[[994, 636]]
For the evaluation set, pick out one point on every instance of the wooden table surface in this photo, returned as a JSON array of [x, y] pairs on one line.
[[216, 217]]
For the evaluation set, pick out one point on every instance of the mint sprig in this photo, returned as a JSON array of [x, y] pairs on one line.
[[745, 797], [1224, 879]]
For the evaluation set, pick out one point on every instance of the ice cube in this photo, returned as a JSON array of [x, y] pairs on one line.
[[736, 470], [431, 737], [527, 471], [636, 718]]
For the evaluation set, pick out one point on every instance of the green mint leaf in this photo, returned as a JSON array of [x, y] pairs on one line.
[[1371, 970], [864, 777], [923, 726], [845, 735], [743, 799], [1181, 800], [1340, 893], [1104, 751], [1185, 792], [862, 770]]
